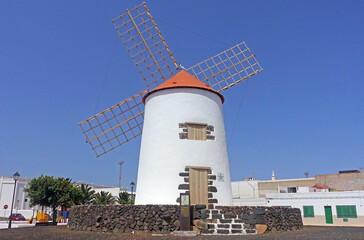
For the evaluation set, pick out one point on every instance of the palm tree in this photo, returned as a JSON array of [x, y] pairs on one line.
[[103, 198], [123, 198], [88, 194]]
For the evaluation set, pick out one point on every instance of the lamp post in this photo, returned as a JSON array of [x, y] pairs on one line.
[[132, 185], [16, 177], [120, 163]]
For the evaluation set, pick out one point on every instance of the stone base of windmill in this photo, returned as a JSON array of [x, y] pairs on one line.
[[215, 222], [227, 220]]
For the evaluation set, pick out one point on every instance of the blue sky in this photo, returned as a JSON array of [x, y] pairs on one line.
[[304, 112]]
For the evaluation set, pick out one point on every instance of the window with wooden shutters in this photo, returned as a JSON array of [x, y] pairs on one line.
[[196, 131], [308, 211], [346, 211]]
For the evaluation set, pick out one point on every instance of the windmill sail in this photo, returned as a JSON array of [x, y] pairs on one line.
[[116, 125], [146, 44], [124, 121], [228, 68]]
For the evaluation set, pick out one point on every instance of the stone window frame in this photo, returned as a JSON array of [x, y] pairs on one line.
[[185, 186], [184, 134]]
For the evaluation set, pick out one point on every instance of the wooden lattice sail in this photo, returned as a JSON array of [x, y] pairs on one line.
[[123, 122]]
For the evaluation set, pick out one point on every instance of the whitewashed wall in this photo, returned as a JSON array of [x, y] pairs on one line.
[[6, 193], [250, 201], [319, 200], [113, 190], [245, 189]]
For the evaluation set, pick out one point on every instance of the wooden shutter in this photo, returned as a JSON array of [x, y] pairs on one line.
[[308, 211], [346, 211], [196, 131]]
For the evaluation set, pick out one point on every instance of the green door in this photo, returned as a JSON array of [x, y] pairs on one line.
[[328, 214]]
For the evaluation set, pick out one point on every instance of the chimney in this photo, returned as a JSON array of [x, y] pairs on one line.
[[273, 176]]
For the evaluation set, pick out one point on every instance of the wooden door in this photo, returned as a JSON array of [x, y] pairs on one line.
[[198, 186], [328, 214]]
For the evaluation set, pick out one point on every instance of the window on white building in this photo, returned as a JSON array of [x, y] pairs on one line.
[[308, 212], [196, 131], [348, 211], [292, 189]]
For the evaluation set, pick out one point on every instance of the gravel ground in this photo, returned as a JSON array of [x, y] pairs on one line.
[[62, 232]]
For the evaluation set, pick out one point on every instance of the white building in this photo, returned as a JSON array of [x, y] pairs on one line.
[[21, 202], [99, 188], [324, 208], [319, 204]]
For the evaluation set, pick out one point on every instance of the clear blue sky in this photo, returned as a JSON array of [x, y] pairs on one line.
[[304, 112]]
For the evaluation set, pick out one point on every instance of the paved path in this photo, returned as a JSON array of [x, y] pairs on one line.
[[15, 224], [61, 232]]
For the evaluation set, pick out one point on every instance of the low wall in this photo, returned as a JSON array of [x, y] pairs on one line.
[[276, 218], [125, 218], [165, 218]]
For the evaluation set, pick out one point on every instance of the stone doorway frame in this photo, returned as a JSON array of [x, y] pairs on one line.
[[211, 189]]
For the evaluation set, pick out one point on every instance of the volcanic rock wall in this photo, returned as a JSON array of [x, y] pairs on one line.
[[165, 218], [125, 218], [276, 218]]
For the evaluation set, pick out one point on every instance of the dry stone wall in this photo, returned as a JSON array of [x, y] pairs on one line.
[[125, 218], [276, 218], [165, 218]]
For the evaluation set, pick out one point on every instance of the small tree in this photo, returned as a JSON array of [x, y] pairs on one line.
[[103, 198], [68, 193], [53, 192], [38, 191], [88, 195]]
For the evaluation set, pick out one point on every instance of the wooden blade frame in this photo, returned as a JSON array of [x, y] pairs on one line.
[[146, 44], [124, 121], [116, 125], [228, 68]]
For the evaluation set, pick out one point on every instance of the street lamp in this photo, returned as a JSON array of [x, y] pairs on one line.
[[132, 185], [16, 178]]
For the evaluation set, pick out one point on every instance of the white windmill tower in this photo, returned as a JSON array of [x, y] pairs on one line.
[[183, 145], [183, 128]]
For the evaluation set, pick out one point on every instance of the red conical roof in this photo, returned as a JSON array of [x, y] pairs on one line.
[[321, 186], [183, 80]]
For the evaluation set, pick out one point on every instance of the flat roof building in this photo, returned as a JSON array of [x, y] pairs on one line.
[[331, 199]]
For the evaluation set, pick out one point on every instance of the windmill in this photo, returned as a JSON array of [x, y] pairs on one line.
[[124, 121]]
